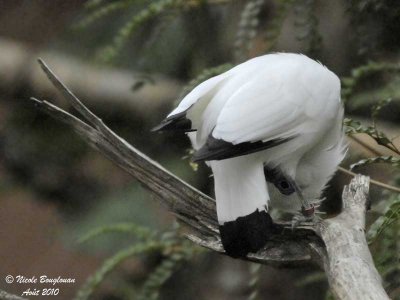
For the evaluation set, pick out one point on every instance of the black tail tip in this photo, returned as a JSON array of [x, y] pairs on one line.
[[246, 234]]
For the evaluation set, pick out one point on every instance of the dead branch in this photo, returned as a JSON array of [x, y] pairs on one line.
[[331, 243], [349, 266]]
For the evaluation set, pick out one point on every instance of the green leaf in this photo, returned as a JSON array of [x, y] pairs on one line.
[[354, 127], [391, 214]]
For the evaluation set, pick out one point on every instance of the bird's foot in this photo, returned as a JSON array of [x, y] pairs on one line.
[[308, 214]]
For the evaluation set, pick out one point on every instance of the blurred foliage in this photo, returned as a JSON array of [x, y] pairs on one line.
[[247, 29], [377, 24], [389, 217], [170, 246], [254, 281], [307, 21], [384, 238], [354, 127]]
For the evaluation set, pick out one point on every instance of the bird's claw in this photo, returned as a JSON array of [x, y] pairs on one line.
[[310, 214]]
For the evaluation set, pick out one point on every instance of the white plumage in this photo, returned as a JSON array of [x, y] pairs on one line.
[[282, 97]]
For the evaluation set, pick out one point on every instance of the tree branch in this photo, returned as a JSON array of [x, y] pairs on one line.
[[349, 265], [285, 248]]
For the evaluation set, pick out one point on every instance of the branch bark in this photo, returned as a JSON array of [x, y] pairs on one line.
[[348, 263], [333, 244]]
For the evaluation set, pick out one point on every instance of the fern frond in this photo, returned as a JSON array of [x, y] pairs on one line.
[[177, 252], [354, 127], [110, 264], [394, 161], [136, 230], [103, 11], [391, 215], [154, 282], [247, 31], [307, 21], [387, 254], [358, 74], [151, 11], [274, 27]]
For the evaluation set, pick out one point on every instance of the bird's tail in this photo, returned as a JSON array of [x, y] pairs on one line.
[[246, 234], [242, 198]]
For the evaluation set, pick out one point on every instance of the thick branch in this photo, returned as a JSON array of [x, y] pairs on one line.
[[346, 253], [348, 263]]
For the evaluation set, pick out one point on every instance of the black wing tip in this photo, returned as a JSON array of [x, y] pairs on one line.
[[177, 122], [159, 127], [218, 149], [246, 234], [214, 149], [163, 126], [201, 155]]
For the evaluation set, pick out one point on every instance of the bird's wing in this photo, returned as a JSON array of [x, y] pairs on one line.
[[266, 111], [187, 116], [197, 99], [262, 111]]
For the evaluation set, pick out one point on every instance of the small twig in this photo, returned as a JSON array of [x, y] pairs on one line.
[[372, 181], [366, 146], [393, 148], [377, 153]]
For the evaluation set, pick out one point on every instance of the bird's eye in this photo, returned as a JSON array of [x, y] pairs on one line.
[[285, 187]]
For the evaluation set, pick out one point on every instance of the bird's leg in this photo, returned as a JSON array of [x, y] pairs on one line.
[[309, 209]]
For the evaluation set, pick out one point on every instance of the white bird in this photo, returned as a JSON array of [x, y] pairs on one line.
[[271, 131]]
